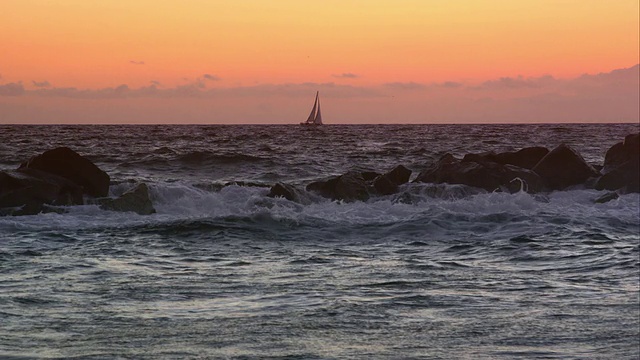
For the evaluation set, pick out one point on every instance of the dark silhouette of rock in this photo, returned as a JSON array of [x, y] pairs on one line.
[[27, 192], [348, 187], [624, 177], [624, 151], [136, 200], [384, 186], [68, 164], [388, 183], [486, 175], [369, 175], [525, 158], [563, 167], [288, 192], [622, 166]]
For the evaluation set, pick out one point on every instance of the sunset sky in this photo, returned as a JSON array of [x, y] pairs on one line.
[[373, 61]]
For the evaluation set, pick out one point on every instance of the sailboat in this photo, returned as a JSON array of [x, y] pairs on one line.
[[315, 118]]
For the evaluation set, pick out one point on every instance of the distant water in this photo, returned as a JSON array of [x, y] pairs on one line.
[[223, 271]]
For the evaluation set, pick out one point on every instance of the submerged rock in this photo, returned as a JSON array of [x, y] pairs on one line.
[[607, 197], [563, 167], [68, 164], [136, 200]]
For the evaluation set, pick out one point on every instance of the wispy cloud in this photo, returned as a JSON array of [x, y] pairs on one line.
[[12, 89], [346, 76], [516, 82], [449, 84], [620, 82], [211, 77], [134, 62], [41, 84], [405, 86]]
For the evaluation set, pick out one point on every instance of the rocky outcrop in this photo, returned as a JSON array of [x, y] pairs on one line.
[[68, 164], [388, 183], [348, 187], [27, 192], [622, 166], [288, 192], [487, 175], [525, 158], [57, 177], [563, 167], [135, 200]]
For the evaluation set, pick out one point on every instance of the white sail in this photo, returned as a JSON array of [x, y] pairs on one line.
[[318, 119], [312, 116], [315, 117]]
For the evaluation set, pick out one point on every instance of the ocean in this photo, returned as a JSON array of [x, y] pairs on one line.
[[222, 271]]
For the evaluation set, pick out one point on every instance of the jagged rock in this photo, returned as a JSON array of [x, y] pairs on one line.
[[622, 166], [26, 192], [563, 167], [388, 183], [486, 175], [625, 177], [68, 164], [624, 151], [348, 187], [288, 192], [525, 158], [136, 200], [369, 175], [607, 197]]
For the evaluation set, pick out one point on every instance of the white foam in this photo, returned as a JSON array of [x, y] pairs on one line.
[[177, 201]]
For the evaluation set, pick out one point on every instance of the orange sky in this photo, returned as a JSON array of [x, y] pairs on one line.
[[98, 44]]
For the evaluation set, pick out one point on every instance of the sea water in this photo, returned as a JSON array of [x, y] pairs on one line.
[[223, 271]]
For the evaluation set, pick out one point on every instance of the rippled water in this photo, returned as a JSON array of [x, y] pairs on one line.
[[437, 271]]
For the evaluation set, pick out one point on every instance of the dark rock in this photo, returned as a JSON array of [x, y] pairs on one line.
[[30, 191], [68, 164], [615, 156], [369, 175], [399, 175], [622, 166], [563, 167], [288, 192], [487, 156], [607, 197], [384, 185], [624, 177], [486, 175], [525, 158], [624, 151], [388, 183], [348, 187], [136, 200]]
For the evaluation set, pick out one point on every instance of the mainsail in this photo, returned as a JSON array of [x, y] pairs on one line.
[[315, 117]]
